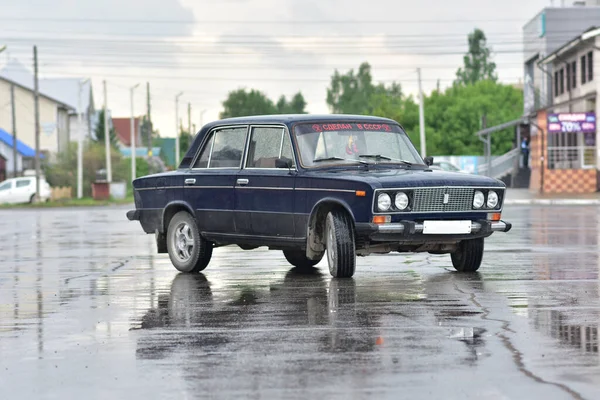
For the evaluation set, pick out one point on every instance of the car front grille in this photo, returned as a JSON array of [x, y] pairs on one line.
[[432, 199]]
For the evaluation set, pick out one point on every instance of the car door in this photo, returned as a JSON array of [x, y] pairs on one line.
[[24, 189], [6, 190], [209, 184], [264, 190]]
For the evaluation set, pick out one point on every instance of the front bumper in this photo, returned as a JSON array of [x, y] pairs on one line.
[[413, 231]]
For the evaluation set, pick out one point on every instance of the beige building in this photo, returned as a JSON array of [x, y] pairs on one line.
[[54, 117]]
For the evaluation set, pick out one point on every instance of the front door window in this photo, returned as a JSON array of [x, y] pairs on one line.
[[267, 145]]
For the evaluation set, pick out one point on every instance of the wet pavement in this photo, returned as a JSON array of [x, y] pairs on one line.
[[89, 310]]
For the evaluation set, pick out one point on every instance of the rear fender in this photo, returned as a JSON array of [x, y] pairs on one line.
[[170, 210]]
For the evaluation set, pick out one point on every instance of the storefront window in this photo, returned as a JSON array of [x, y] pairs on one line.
[[572, 141]]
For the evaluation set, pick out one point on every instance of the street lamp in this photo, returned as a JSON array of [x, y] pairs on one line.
[[177, 128], [132, 135], [80, 142]]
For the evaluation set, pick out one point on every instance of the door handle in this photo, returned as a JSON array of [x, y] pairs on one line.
[[190, 181], [242, 181]]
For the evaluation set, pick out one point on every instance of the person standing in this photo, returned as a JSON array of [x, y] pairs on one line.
[[525, 152]]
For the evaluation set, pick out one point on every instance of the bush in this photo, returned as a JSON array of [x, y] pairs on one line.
[[63, 171]]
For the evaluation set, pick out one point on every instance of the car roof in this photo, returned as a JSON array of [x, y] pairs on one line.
[[294, 118]]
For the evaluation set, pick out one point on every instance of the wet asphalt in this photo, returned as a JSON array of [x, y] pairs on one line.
[[88, 309]]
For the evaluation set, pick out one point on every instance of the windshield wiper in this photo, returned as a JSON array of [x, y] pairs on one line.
[[338, 159], [380, 157]]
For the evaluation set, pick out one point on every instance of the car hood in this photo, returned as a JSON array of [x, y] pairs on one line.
[[400, 177]]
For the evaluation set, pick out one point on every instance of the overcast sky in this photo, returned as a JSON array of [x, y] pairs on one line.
[[207, 48]]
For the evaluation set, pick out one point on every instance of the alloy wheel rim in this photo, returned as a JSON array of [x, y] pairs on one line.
[[183, 242]]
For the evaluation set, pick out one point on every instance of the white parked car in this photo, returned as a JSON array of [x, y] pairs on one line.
[[22, 190]]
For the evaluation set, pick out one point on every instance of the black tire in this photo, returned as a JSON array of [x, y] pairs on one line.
[[468, 256], [298, 259], [188, 251], [32, 199], [341, 249]]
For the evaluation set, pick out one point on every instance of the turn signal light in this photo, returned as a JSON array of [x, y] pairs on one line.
[[382, 219], [494, 216], [361, 193]]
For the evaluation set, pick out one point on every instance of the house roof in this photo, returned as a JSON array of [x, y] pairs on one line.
[[122, 127], [22, 148], [591, 32], [62, 90]]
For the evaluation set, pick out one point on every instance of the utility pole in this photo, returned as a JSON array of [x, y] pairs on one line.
[[36, 103], [421, 117], [14, 129], [149, 122], [80, 142], [177, 129], [132, 134], [107, 137]]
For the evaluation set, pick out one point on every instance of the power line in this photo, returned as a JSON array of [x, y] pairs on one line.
[[234, 79], [253, 21]]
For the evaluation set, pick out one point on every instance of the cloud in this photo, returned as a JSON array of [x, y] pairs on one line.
[[100, 17]]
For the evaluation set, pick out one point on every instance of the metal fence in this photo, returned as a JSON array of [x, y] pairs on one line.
[[572, 157]]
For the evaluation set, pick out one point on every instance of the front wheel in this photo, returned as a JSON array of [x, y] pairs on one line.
[[188, 251], [468, 256], [341, 250]]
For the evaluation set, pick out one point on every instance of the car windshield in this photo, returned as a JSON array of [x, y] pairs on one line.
[[354, 143]]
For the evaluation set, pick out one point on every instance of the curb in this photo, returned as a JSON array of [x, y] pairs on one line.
[[553, 202]]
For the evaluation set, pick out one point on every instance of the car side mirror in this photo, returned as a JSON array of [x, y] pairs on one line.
[[429, 160], [283, 163]]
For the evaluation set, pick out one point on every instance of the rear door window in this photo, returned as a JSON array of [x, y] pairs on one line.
[[224, 149], [23, 183]]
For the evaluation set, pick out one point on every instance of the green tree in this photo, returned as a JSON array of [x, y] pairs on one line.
[[295, 106], [241, 103], [454, 116], [185, 141], [112, 134], [477, 62], [355, 93], [351, 92]]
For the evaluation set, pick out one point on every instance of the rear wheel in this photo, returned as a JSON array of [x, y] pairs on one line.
[[188, 251], [298, 259], [341, 253], [468, 256]]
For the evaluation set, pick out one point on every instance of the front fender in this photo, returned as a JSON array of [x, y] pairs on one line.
[[332, 200], [315, 230]]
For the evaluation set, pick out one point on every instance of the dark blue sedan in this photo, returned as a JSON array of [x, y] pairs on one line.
[[308, 185]]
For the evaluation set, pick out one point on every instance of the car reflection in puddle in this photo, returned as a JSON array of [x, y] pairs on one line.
[[305, 313]]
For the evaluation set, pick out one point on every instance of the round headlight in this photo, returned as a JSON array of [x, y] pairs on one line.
[[384, 202], [492, 201], [401, 201], [478, 199]]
